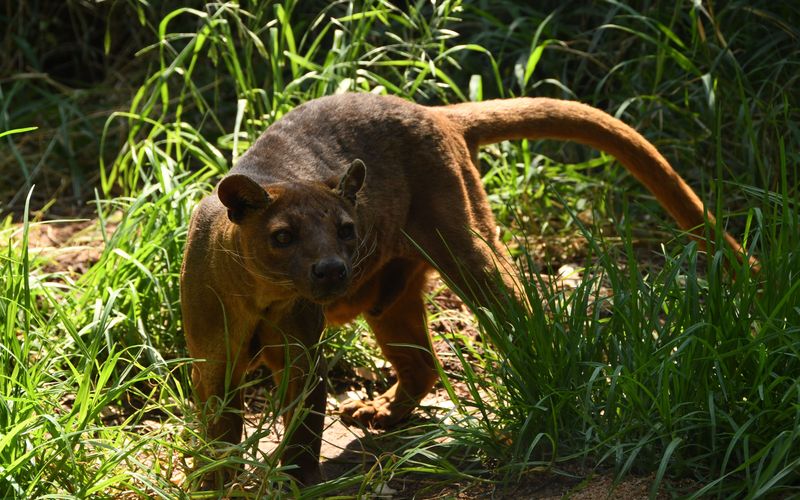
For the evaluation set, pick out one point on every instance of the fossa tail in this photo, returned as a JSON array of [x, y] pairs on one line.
[[489, 122]]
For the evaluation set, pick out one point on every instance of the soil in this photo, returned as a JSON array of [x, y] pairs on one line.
[[69, 247]]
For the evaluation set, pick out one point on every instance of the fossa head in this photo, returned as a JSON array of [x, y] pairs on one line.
[[299, 235]]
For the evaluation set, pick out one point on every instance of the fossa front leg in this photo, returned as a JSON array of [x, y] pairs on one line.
[[289, 346]]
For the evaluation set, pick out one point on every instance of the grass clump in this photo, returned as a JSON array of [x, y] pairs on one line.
[[669, 373], [64, 385]]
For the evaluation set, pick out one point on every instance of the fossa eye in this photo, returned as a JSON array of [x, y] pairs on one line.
[[346, 231], [282, 238]]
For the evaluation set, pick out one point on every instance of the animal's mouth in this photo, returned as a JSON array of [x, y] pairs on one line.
[[327, 298], [329, 295]]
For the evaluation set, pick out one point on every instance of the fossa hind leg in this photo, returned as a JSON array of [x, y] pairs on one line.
[[401, 331], [458, 234], [471, 260]]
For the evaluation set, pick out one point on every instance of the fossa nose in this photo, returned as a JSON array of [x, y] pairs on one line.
[[329, 271]]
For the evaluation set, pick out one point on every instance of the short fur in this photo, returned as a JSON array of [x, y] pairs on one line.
[[301, 230]]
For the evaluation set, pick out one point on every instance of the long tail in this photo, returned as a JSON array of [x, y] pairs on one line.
[[489, 122]]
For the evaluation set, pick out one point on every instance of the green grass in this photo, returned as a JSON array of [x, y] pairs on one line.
[[659, 363]]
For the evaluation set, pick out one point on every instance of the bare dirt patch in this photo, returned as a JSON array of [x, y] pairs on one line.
[[70, 246], [350, 450]]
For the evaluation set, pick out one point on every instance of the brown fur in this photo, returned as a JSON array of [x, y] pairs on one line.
[[245, 285]]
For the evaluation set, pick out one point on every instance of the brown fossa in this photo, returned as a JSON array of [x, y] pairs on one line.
[[334, 212]]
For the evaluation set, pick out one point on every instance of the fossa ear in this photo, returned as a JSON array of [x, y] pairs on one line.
[[240, 195], [352, 181]]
